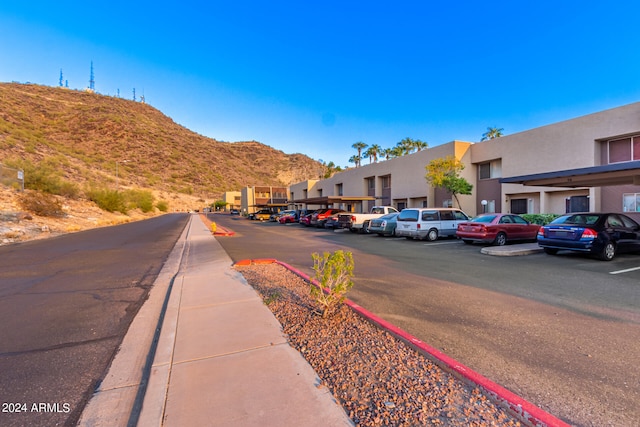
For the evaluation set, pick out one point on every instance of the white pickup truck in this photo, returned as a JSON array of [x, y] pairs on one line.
[[359, 222]]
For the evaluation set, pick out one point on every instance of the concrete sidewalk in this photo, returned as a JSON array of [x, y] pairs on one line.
[[222, 358]]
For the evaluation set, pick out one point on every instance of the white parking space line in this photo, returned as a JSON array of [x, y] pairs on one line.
[[442, 243], [627, 270]]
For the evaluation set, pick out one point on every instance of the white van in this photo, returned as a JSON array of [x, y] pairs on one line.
[[429, 223]]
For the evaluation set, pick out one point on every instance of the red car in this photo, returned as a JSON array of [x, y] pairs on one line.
[[321, 216], [306, 219], [497, 229]]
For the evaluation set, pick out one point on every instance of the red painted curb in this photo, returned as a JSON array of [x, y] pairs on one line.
[[526, 411]]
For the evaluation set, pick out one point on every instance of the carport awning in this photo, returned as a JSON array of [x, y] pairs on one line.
[[595, 176], [328, 200]]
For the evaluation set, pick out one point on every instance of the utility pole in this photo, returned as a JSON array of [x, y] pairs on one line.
[[92, 82]]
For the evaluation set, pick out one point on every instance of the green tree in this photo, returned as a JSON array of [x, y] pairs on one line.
[[445, 173], [372, 153], [359, 146], [420, 145], [329, 169], [492, 133], [355, 159]]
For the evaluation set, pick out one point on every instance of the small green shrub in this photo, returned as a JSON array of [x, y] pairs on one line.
[[334, 272], [108, 200], [42, 204], [162, 206], [540, 219], [141, 199]]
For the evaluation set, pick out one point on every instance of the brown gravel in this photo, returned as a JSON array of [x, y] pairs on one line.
[[378, 379]]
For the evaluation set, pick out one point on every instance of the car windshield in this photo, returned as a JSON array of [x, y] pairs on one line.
[[484, 218], [577, 219]]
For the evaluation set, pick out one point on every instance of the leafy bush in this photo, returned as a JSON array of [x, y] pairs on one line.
[[162, 206], [45, 177], [141, 199], [108, 200], [42, 204], [540, 219], [334, 272]]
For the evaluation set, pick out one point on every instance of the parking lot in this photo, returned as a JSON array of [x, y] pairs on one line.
[[562, 331]]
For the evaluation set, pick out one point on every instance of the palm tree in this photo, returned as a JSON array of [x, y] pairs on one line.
[[405, 146], [355, 159], [359, 146], [372, 153], [420, 145], [492, 133]]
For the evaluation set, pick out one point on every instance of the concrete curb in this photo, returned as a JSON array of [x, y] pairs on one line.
[[512, 250], [220, 231], [523, 410]]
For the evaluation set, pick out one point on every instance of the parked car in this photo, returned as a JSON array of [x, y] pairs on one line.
[[276, 216], [320, 216], [497, 229], [429, 223], [359, 222], [306, 219], [288, 217], [332, 222], [234, 212], [385, 225], [261, 215], [600, 234]]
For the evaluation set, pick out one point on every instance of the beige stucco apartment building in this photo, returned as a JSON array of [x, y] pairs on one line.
[[587, 163]]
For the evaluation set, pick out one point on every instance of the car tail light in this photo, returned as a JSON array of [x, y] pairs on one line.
[[353, 218], [541, 232], [418, 226], [588, 233]]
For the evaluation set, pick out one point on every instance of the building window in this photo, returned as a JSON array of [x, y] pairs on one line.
[[490, 170], [519, 206], [624, 149], [386, 181], [631, 202], [488, 206], [371, 183], [339, 189]]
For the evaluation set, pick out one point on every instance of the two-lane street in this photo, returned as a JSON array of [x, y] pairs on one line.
[[65, 306], [561, 331]]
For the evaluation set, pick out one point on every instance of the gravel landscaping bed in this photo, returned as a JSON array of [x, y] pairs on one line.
[[377, 378]]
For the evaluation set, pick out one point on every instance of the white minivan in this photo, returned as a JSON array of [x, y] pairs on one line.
[[429, 223]]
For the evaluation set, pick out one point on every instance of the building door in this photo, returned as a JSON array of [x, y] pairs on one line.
[[578, 204], [519, 206]]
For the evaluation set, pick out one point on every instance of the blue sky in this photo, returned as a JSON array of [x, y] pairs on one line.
[[316, 77]]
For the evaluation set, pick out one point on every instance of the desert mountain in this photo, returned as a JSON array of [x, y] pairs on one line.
[[82, 135]]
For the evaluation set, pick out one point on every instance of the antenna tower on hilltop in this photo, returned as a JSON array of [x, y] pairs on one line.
[[92, 83]]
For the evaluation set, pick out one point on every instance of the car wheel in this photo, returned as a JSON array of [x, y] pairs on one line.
[[500, 240], [608, 252], [365, 227], [432, 235], [550, 251]]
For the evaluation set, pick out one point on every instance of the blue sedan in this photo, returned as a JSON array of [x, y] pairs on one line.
[[600, 234]]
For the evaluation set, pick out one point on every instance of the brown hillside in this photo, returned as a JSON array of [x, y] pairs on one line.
[[84, 134]]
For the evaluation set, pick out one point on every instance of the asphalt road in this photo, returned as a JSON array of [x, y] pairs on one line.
[[561, 331], [65, 306]]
